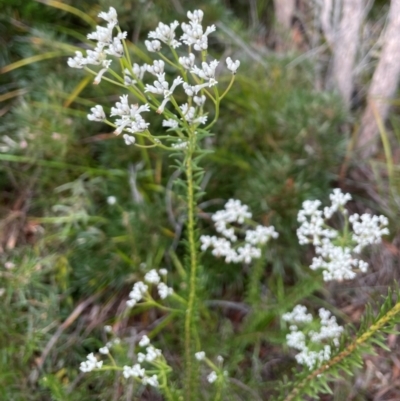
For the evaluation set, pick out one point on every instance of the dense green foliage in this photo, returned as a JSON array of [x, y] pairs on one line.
[[277, 143]]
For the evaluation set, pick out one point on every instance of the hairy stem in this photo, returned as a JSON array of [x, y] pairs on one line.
[[189, 322], [345, 353]]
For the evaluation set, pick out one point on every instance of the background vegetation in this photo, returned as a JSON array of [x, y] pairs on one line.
[[68, 258]]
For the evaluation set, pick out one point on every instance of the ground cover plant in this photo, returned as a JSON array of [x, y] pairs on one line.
[[116, 238]]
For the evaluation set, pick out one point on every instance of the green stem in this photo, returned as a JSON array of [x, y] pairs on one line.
[[190, 311], [219, 390], [168, 61], [228, 88], [217, 102], [165, 387], [296, 391], [105, 78], [255, 279]]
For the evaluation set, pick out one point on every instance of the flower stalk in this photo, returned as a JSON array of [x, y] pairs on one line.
[[189, 318]]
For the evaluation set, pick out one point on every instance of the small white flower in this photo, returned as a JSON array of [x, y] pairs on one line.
[[102, 35], [110, 17], [129, 139], [363, 266], [90, 364], [196, 16], [207, 73], [96, 56], [168, 93], [131, 119], [212, 377], [152, 277], [261, 235], [141, 357], [152, 353], [136, 295], [199, 100], [78, 61], [153, 45], [152, 381], [166, 34], [170, 123], [189, 90], [200, 355], [232, 65], [108, 328], [139, 70], [368, 229], [156, 68], [206, 241], [104, 350], [97, 114], [338, 199], [116, 48], [189, 114], [298, 315], [134, 371], [187, 62], [193, 34], [164, 291], [163, 272], [131, 303], [111, 200], [247, 252], [158, 86], [144, 341]]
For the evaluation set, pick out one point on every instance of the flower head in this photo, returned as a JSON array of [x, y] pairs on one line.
[[166, 33], [212, 377], [78, 61], [193, 34], [232, 65], [90, 364], [111, 17], [153, 45], [133, 371], [97, 114]]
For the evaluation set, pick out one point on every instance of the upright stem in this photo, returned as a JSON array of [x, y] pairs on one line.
[[189, 322]]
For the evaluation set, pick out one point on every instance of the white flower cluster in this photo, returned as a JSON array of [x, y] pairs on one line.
[[136, 371], [106, 45], [213, 375], [368, 230], [225, 222], [337, 261], [139, 372], [90, 364], [140, 289], [309, 343], [298, 315], [130, 119]]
